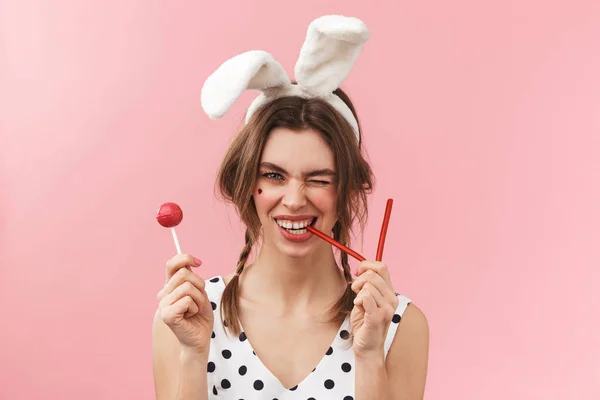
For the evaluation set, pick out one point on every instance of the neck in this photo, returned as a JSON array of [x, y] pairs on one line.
[[295, 283]]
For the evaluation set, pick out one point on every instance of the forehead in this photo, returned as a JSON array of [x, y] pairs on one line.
[[298, 150]]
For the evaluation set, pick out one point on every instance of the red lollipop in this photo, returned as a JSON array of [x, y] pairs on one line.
[[170, 215]]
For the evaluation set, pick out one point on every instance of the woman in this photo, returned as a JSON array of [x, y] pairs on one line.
[[295, 323]]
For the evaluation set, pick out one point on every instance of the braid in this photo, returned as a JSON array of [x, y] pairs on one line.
[[230, 297], [244, 253], [346, 268]]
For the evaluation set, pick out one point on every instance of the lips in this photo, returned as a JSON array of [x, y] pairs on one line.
[[293, 227]]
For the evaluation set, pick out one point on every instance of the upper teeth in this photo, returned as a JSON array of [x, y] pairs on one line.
[[293, 224]]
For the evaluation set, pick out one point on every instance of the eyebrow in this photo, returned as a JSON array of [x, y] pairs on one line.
[[316, 172]]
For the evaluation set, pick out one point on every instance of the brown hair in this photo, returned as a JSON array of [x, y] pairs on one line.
[[239, 171]]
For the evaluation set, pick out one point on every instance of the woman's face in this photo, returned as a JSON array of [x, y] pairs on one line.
[[296, 186]]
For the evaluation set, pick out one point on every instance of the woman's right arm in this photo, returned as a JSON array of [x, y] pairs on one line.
[[181, 333], [178, 375]]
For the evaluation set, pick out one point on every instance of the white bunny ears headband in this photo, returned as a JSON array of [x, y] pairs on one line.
[[332, 44]]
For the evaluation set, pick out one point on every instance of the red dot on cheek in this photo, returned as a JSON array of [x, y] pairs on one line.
[[259, 191]]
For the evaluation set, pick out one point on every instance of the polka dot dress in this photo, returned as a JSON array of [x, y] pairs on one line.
[[236, 373]]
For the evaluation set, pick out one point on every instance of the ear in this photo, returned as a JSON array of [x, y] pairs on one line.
[[252, 70], [332, 44]]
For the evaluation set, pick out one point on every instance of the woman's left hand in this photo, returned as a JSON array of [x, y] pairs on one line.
[[374, 307]]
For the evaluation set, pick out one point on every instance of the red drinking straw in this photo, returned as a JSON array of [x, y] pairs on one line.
[[340, 246], [386, 220]]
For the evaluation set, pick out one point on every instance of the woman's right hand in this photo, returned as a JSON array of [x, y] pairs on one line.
[[184, 306]]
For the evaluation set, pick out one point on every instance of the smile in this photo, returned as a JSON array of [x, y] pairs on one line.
[[297, 227]]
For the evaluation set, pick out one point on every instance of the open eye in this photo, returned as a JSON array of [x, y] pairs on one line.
[[274, 176]]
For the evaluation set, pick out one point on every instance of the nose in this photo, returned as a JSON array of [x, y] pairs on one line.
[[293, 197]]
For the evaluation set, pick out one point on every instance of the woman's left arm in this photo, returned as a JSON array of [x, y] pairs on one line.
[[407, 359], [402, 374]]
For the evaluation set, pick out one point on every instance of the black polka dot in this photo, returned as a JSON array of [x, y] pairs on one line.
[[211, 366], [396, 318], [330, 351], [243, 336], [214, 305], [311, 398], [313, 369], [215, 390], [215, 280], [225, 324], [346, 367], [329, 384], [294, 388], [225, 384], [253, 352], [344, 334], [348, 398], [242, 370], [213, 335], [258, 385], [226, 354]]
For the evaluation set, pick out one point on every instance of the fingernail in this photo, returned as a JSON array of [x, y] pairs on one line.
[[197, 261]]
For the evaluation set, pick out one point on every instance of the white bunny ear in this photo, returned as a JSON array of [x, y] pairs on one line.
[[332, 44], [254, 70]]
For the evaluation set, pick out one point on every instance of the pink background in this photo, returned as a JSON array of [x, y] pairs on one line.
[[481, 120]]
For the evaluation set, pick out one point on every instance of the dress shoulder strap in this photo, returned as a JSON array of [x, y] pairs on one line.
[[214, 288], [402, 305]]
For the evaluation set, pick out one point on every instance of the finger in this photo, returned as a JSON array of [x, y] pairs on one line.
[[185, 289], [358, 299], [192, 307], [383, 306], [180, 261], [377, 267], [377, 281], [370, 304], [368, 288], [174, 313], [182, 275]]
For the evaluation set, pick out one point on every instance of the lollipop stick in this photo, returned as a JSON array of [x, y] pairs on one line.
[[176, 240], [333, 242], [386, 220]]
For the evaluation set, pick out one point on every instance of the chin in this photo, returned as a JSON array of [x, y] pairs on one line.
[[293, 253]]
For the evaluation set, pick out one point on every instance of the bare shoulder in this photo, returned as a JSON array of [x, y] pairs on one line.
[[414, 322], [412, 334], [407, 360]]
